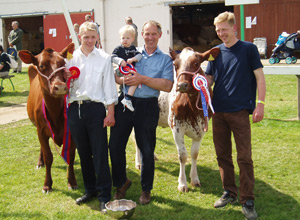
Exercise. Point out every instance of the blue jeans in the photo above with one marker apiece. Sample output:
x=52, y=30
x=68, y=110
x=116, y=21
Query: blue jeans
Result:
x=144, y=121
x=86, y=126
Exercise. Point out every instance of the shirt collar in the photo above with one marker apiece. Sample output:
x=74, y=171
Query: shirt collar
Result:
x=93, y=51
x=157, y=51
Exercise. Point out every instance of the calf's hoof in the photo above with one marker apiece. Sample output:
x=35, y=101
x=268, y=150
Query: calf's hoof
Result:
x=138, y=166
x=39, y=166
x=72, y=187
x=196, y=183
x=46, y=189
x=183, y=189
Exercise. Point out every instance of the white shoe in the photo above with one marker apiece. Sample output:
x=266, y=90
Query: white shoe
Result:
x=128, y=104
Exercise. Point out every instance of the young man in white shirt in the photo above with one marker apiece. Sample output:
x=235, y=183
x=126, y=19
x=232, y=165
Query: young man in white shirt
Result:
x=89, y=94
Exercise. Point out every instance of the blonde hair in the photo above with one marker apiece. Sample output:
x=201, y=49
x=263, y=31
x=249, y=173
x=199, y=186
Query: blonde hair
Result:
x=127, y=29
x=155, y=23
x=87, y=26
x=225, y=17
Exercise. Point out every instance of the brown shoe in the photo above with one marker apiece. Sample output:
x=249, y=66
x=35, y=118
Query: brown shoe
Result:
x=121, y=191
x=145, y=198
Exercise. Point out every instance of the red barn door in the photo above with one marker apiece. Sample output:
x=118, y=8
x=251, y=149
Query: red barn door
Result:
x=56, y=32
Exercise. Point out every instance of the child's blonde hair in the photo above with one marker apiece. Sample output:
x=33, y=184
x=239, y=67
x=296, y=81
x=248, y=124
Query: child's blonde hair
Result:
x=127, y=29
x=225, y=17
x=87, y=26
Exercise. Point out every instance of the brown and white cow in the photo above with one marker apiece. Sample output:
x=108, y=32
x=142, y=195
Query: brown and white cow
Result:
x=47, y=78
x=180, y=111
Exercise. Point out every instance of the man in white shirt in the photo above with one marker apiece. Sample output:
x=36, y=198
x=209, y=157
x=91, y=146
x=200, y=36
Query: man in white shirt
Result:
x=89, y=94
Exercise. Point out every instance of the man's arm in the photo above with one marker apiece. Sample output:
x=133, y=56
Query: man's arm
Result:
x=258, y=113
x=154, y=83
x=17, y=39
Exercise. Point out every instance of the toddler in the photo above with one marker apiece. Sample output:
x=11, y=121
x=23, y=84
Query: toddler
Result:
x=125, y=54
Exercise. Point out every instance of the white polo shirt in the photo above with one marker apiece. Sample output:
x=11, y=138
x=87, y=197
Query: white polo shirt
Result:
x=96, y=81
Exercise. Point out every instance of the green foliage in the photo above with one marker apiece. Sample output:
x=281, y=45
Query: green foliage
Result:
x=276, y=156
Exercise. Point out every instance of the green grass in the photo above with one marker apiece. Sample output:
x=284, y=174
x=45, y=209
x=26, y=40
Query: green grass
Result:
x=276, y=156
x=21, y=84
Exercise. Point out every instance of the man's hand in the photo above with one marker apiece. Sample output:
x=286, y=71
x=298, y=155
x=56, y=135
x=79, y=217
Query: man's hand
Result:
x=133, y=79
x=258, y=113
x=67, y=74
x=109, y=120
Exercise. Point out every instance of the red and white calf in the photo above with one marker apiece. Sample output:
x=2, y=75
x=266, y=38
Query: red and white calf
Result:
x=180, y=110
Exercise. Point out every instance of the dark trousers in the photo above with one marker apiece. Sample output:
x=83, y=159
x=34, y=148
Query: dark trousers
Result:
x=144, y=121
x=86, y=126
x=237, y=123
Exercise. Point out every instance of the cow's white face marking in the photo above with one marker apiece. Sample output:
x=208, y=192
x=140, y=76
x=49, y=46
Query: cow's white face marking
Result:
x=185, y=54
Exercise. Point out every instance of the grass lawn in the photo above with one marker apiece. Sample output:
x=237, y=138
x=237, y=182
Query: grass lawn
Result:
x=21, y=84
x=276, y=156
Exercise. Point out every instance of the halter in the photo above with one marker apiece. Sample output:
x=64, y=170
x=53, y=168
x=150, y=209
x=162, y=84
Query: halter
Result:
x=51, y=75
x=193, y=74
x=189, y=73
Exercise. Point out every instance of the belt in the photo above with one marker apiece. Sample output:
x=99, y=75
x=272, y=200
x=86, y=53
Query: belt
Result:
x=80, y=102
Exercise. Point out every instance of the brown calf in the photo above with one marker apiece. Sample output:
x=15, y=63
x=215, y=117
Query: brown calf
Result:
x=48, y=82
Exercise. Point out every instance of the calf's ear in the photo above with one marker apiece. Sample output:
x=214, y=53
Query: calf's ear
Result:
x=211, y=54
x=173, y=53
x=68, y=51
x=27, y=57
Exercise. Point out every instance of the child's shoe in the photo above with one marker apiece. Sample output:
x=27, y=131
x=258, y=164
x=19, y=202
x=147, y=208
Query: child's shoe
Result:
x=128, y=104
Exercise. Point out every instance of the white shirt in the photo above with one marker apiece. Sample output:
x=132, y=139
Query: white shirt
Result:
x=96, y=81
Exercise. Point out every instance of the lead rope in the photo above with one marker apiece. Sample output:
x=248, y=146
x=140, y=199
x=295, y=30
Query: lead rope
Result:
x=51, y=131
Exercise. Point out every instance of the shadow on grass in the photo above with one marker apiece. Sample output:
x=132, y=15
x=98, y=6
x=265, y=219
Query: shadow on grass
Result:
x=270, y=203
x=12, y=93
x=163, y=207
x=21, y=215
x=162, y=140
x=283, y=120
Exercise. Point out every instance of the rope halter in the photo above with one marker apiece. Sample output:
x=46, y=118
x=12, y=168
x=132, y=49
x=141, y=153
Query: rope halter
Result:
x=193, y=74
x=48, y=78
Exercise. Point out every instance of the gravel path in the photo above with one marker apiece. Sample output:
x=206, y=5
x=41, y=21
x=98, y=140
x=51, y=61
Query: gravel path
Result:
x=13, y=113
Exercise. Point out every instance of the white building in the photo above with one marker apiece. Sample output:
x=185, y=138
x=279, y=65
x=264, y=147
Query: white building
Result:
x=44, y=24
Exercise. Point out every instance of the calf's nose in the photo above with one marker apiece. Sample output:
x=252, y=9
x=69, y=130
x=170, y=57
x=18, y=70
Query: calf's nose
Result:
x=60, y=89
x=182, y=87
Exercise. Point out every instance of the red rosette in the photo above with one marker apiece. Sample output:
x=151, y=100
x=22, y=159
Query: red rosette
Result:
x=75, y=72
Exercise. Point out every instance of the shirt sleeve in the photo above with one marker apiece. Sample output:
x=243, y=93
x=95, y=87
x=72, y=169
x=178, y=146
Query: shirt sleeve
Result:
x=138, y=56
x=208, y=70
x=109, y=85
x=115, y=56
